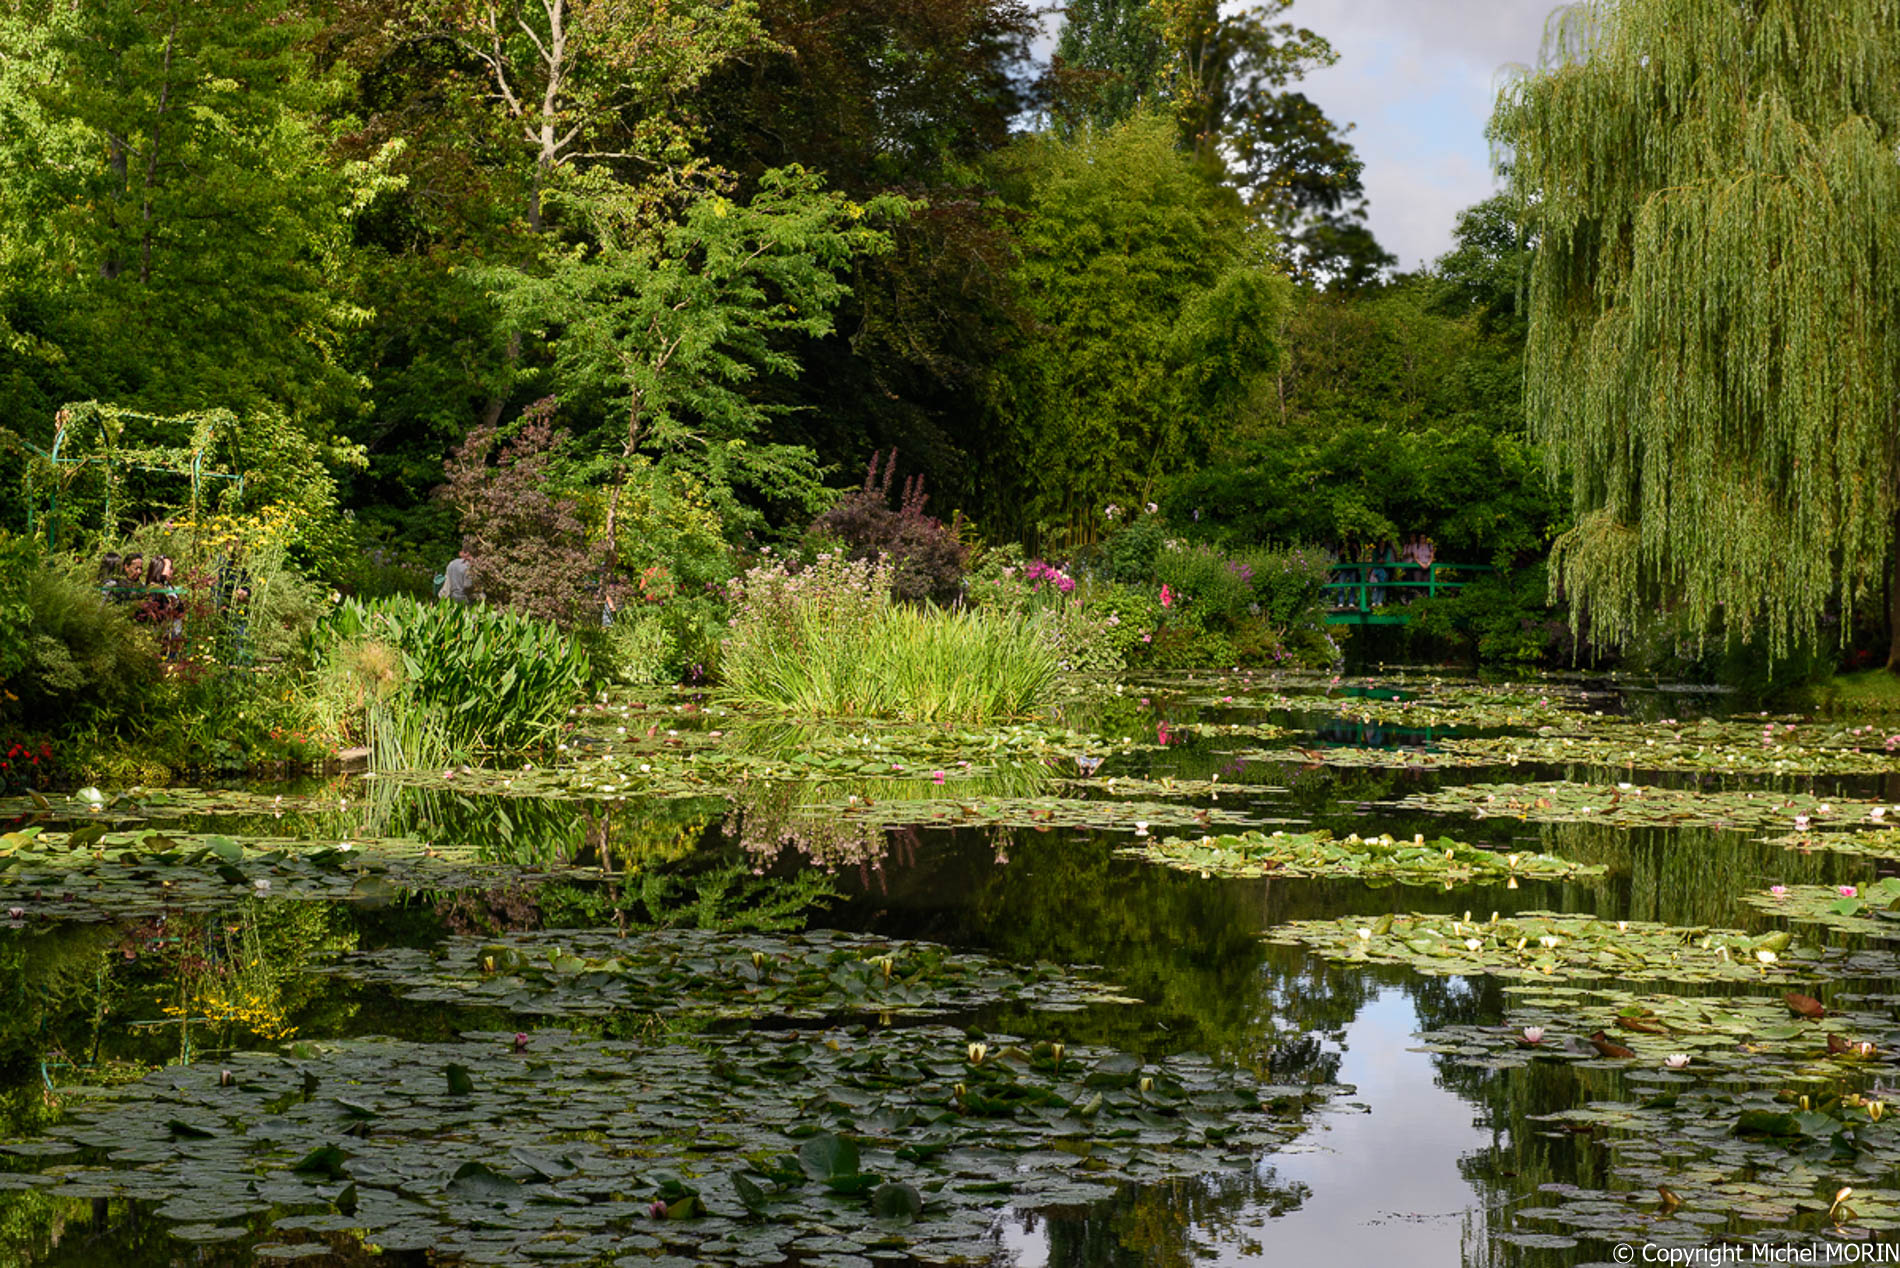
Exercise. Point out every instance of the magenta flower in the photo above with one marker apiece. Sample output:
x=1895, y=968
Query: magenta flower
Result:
x=1167, y=596
x=1848, y=891
x=1779, y=891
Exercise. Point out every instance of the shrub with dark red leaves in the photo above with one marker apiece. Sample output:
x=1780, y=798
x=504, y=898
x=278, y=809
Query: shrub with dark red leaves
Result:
x=929, y=555
x=527, y=545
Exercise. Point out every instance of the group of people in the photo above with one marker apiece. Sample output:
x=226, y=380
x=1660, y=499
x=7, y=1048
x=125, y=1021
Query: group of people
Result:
x=160, y=597
x=130, y=576
x=153, y=586
x=1409, y=562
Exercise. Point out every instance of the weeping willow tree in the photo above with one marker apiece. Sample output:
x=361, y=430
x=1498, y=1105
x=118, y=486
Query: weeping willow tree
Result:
x=1714, y=354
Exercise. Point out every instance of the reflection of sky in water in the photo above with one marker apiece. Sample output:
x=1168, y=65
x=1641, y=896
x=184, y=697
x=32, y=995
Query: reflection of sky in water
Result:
x=1383, y=1187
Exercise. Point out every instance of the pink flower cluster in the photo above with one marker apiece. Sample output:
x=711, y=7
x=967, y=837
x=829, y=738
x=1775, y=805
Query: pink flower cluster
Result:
x=1035, y=572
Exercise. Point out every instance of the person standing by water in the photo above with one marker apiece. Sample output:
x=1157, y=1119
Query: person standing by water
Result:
x=455, y=586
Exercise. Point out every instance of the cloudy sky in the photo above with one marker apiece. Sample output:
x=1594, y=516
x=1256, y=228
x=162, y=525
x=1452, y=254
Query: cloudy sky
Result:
x=1418, y=78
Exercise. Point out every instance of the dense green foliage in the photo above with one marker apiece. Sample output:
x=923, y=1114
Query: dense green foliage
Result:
x=1157, y=314
x=618, y=300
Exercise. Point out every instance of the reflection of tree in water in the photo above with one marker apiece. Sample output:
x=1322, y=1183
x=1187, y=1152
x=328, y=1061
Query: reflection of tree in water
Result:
x=1169, y=1225
x=1685, y=876
x=619, y=835
x=1679, y=876
x=1190, y=948
x=809, y=817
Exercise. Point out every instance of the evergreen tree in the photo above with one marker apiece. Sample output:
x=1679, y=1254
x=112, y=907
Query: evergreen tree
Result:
x=1714, y=344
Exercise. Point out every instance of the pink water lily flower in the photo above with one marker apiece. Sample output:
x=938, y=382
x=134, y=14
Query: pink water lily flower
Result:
x=1779, y=891
x=1848, y=891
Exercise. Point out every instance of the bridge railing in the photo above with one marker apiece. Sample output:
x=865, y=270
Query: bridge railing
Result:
x=1356, y=595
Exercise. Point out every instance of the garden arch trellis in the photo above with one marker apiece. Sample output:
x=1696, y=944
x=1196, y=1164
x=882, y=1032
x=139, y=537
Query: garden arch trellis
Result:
x=90, y=435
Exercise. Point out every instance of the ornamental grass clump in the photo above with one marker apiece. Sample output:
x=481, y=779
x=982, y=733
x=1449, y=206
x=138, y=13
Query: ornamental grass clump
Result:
x=827, y=640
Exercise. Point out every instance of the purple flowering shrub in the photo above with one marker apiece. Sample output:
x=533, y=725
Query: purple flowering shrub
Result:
x=927, y=556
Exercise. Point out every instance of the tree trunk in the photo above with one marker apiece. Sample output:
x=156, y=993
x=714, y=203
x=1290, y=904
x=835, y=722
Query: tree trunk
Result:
x=1893, y=601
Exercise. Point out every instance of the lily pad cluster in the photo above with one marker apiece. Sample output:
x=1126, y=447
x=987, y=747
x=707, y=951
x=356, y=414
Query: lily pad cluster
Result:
x=1692, y=1160
x=1737, y=1040
x=688, y=971
x=741, y=1149
x=1630, y=805
x=1548, y=945
x=91, y=873
x=1655, y=748
x=1418, y=861
x=1872, y=910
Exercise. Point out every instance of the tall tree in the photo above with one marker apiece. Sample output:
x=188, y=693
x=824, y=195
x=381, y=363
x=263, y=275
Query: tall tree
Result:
x=1226, y=73
x=666, y=327
x=1714, y=346
x=172, y=205
x=586, y=85
x=1157, y=313
x=1110, y=57
x=892, y=96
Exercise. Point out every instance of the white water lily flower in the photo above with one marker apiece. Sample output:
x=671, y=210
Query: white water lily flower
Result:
x=1622, y=926
x=1549, y=940
x=1676, y=1060
x=1141, y=828
x=1766, y=957
x=1365, y=934
x=1472, y=944
x=1533, y=1034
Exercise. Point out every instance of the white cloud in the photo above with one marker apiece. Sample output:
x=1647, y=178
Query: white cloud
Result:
x=1418, y=79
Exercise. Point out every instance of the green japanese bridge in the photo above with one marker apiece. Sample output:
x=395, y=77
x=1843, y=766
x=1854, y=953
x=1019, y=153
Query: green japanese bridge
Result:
x=1357, y=599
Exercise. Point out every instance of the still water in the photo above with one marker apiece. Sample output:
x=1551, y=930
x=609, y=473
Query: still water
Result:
x=1406, y=1157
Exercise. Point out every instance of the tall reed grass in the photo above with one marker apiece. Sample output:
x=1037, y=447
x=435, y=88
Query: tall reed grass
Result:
x=828, y=641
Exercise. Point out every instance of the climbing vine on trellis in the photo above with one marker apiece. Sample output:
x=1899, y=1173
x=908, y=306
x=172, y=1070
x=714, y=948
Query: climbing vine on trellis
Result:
x=107, y=441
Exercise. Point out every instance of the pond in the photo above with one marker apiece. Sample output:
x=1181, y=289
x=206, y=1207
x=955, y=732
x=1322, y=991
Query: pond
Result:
x=1255, y=969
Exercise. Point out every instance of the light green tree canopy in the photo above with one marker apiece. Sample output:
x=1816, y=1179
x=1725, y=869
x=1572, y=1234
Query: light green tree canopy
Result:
x=1157, y=312
x=1714, y=345
x=669, y=327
